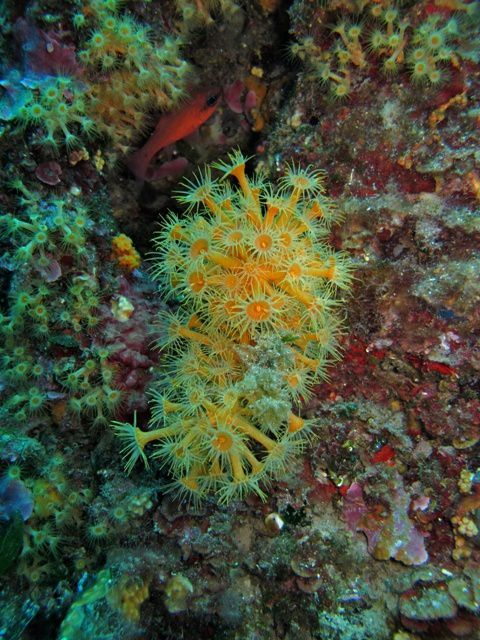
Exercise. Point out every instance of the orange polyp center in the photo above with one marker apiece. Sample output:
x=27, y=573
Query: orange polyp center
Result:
x=263, y=242
x=177, y=233
x=196, y=282
x=198, y=247
x=223, y=442
x=295, y=423
x=230, y=281
x=190, y=483
x=178, y=453
x=235, y=237
x=301, y=182
x=295, y=271
x=259, y=310
x=293, y=380
x=195, y=396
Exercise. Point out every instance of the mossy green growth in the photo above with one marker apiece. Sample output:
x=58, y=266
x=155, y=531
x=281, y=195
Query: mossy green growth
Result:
x=11, y=542
x=41, y=233
x=54, y=299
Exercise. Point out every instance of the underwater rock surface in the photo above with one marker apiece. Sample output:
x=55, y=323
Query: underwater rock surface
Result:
x=299, y=359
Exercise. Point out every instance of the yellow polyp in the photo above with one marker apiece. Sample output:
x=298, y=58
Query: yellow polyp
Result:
x=229, y=281
x=239, y=173
x=294, y=197
x=245, y=338
x=321, y=272
x=295, y=270
x=336, y=78
x=227, y=206
x=272, y=276
x=193, y=335
x=241, y=253
x=302, y=296
x=189, y=438
x=177, y=233
x=259, y=310
x=306, y=338
x=293, y=380
x=198, y=247
x=190, y=482
x=215, y=470
x=311, y=363
x=250, y=430
x=357, y=57
x=188, y=423
x=272, y=211
x=231, y=307
x=229, y=262
x=271, y=291
x=295, y=423
x=211, y=409
x=263, y=242
x=144, y=437
x=286, y=239
x=254, y=217
x=194, y=322
x=171, y=407
x=197, y=282
x=213, y=206
x=235, y=236
x=315, y=211
x=255, y=464
x=222, y=442
x=237, y=468
x=256, y=195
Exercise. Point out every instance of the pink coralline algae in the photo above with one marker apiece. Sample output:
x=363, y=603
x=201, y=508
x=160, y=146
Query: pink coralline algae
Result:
x=239, y=98
x=44, y=52
x=390, y=534
x=129, y=339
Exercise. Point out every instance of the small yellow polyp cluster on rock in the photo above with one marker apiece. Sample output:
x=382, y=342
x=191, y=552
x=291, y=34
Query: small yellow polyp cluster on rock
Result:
x=128, y=597
x=259, y=286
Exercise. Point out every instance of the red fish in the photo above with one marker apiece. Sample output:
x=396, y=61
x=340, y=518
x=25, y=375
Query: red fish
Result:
x=172, y=127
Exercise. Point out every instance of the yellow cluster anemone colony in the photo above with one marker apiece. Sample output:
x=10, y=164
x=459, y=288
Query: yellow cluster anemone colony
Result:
x=130, y=70
x=261, y=294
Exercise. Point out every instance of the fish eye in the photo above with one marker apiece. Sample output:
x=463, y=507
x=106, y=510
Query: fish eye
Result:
x=212, y=100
